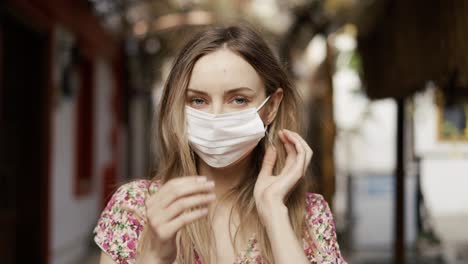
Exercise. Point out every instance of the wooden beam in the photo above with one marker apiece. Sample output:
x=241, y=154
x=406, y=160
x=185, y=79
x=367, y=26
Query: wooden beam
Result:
x=399, y=246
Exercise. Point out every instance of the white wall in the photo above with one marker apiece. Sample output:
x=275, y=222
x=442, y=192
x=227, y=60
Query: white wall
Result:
x=444, y=166
x=444, y=176
x=426, y=137
x=445, y=183
x=72, y=219
x=365, y=148
x=366, y=129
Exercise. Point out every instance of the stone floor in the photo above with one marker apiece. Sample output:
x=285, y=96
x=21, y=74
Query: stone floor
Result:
x=355, y=256
x=359, y=257
x=379, y=257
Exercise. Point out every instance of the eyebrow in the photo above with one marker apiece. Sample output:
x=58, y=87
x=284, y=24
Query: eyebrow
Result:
x=234, y=90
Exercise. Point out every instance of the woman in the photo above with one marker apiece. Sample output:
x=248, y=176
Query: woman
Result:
x=229, y=186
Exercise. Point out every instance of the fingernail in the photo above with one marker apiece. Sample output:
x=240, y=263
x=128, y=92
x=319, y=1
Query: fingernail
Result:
x=211, y=196
x=201, y=179
x=204, y=210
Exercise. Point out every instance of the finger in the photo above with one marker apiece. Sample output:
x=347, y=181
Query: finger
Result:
x=174, y=191
x=166, y=187
x=290, y=151
x=171, y=228
x=269, y=160
x=301, y=159
x=178, y=192
x=308, y=150
x=183, y=204
x=298, y=167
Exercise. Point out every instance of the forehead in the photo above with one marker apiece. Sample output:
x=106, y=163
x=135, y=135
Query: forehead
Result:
x=223, y=70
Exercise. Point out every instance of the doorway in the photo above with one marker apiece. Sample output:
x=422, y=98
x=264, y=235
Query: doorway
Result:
x=24, y=143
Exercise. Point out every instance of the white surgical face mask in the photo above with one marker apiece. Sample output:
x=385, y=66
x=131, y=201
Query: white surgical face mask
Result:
x=223, y=139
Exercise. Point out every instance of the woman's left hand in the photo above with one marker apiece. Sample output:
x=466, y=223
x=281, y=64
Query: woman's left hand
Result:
x=271, y=190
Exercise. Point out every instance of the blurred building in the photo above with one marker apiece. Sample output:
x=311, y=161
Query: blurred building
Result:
x=62, y=133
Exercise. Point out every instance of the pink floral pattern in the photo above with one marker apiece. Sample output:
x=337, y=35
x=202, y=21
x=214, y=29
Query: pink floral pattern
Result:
x=122, y=220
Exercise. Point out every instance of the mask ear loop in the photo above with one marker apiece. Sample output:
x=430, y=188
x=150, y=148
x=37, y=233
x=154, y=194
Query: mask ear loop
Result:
x=266, y=127
x=263, y=103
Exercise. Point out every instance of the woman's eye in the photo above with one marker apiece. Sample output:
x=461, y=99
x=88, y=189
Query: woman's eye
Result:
x=197, y=101
x=240, y=100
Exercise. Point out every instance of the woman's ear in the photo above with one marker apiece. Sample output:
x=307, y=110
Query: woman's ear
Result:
x=273, y=105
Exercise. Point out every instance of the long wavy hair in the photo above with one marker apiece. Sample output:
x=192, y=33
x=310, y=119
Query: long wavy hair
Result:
x=176, y=158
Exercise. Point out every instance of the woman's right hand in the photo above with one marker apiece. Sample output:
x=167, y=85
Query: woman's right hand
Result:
x=167, y=211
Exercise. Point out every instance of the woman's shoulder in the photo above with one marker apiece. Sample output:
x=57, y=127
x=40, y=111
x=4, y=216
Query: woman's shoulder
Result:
x=138, y=186
x=132, y=195
x=318, y=211
x=122, y=220
x=130, y=198
x=316, y=203
x=135, y=192
x=320, y=241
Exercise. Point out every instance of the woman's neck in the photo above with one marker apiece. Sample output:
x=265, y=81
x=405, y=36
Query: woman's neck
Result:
x=225, y=178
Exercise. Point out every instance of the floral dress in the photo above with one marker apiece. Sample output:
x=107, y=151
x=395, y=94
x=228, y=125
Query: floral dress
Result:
x=122, y=221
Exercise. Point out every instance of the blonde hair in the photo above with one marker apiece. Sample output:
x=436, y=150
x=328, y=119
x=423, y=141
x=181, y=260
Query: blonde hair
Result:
x=176, y=158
